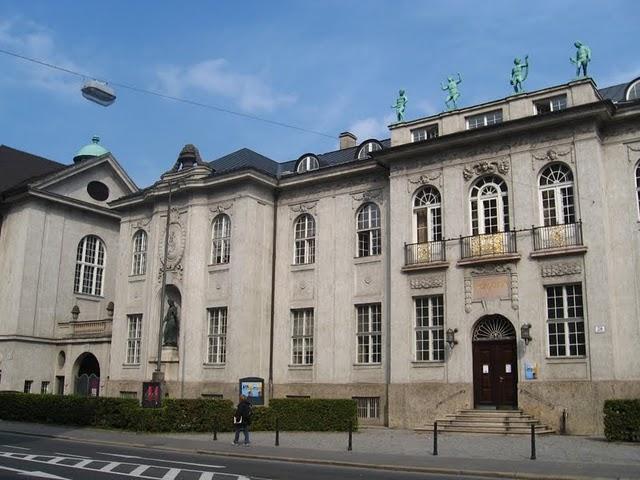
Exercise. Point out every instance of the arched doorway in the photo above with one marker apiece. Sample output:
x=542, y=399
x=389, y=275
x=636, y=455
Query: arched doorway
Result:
x=87, y=381
x=495, y=367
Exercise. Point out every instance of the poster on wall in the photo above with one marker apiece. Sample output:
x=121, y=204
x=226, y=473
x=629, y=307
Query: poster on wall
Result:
x=151, y=395
x=253, y=389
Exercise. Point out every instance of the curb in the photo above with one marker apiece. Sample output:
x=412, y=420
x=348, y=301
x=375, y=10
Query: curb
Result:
x=336, y=463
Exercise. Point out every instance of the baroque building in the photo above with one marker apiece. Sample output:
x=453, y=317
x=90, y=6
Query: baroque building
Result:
x=486, y=257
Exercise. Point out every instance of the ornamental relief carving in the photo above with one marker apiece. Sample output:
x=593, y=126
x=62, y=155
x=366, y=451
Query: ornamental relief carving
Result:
x=483, y=278
x=484, y=167
x=632, y=149
x=366, y=196
x=426, y=282
x=224, y=207
x=308, y=207
x=560, y=269
x=427, y=178
x=552, y=155
x=176, y=240
x=140, y=224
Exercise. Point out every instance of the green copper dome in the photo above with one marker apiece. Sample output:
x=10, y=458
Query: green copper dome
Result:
x=94, y=149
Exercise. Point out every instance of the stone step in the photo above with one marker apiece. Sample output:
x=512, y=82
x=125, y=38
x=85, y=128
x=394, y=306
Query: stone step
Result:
x=539, y=429
x=447, y=424
x=489, y=421
x=463, y=418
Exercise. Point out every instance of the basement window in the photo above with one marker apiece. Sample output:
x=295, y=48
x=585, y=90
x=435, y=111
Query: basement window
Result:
x=368, y=407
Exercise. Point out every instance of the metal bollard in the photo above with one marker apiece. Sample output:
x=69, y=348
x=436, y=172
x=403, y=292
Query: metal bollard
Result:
x=435, y=438
x=215, y=430
x=350, y=447
x=533, y=442
x=563, y=422
x=277, y=432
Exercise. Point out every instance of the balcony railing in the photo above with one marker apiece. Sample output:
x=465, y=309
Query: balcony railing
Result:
x=86, y=328
x=490, y=244
x=557, y=236
x=422, y=253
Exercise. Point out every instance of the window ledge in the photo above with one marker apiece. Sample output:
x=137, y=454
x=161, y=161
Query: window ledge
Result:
x=551, y=252
x=300, y=367
x=582, y=359
x=427, y=364
x=296, y=267
x=368, y=259
x=367, y=366
x=214, y=366
x=137, y=278
x=509, y=257
x=416, y=267
x=217, y=267
x=129, y=366
x=91, y=298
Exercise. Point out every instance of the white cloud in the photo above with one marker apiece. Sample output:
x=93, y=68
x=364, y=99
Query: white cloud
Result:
x=32, y=40
x=371, y=127
x=215, y=77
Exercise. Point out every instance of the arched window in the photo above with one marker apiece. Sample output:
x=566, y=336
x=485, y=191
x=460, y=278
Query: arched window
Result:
x=556, y=195
x=367, y=148
x=368, y=227
x=90, y=262
x=638, y=186
x=305, y=240
x=489, y=206
x=307, y=163
x=139, y=261
x=633, y=92
x=427, y=215
x=221, y=239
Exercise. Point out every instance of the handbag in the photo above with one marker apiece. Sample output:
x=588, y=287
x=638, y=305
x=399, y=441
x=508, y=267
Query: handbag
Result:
x=237, y=420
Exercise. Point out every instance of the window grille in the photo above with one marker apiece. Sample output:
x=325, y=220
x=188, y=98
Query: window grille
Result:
x=90, y=262
x=217, y=335
x=368, y=407
x=369, y=333
x=429, y=328
x=302, y=337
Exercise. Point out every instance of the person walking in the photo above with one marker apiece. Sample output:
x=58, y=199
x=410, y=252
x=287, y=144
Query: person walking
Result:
x=242, y=420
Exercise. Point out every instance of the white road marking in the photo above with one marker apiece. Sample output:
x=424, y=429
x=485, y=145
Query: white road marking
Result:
x=70, y=455
x=171, y=474
x=137, y=472
x=33, y=474
x=162, y=460
x=13, y=446
x=110, y=466
x=206, y=476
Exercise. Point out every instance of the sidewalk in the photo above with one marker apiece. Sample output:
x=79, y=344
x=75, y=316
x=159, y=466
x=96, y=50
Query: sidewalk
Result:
x=469, y=454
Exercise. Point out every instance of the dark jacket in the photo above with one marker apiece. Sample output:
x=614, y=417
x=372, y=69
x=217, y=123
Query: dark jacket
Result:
x=244, y=411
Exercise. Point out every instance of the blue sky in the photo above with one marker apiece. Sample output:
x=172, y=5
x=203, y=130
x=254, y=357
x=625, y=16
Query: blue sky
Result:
x=327, y=66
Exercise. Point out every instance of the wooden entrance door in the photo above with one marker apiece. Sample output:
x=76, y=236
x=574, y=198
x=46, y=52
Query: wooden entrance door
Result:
x=495, y=373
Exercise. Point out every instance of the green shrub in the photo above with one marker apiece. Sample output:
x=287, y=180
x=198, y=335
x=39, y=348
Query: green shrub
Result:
x=622, y=420
x=176, y=415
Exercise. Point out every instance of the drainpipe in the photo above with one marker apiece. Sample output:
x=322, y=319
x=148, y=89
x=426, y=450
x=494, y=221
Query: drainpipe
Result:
x=273, y=290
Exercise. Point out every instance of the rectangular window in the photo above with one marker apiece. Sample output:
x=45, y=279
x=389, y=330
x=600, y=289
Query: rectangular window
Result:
x=298, y=396
x=134, y=338
x=369, y=333
x=217, y=335
x=368, y=407
x=429, y=329
x=128, y=394
x=59, y=385
x=302, y=337
x=565, y=321
x=27, y=386
x=44, y=388
x=484, y=119
x=212, y=396
x=552, y=104
x=424, y=133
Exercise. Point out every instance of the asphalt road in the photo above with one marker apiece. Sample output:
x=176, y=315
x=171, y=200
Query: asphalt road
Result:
x=23, y=456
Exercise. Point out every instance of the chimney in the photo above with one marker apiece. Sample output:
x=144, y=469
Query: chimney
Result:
x=347, y=140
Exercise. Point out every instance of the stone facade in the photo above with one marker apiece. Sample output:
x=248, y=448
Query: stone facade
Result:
x=478, y=270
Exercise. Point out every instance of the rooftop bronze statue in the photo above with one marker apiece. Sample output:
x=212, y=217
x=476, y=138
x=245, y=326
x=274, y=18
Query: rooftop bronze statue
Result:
x=171, y=325
x=583, y=57
x=519, y=73
x=400, y=106
x=453, y=94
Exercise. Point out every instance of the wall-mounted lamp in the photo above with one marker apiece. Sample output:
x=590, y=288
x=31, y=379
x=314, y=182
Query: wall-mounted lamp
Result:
x=451, y=337
x=525, y=333
x=75, y=311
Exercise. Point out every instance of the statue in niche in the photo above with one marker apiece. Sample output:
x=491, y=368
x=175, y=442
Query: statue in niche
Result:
x=453, y=93
x=171, y=326
x=519, y=73
x=583, y=57
x=401, y=105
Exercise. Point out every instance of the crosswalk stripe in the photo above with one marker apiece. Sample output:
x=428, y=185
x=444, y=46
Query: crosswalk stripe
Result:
x=206, y=476
x=110, y=466
x=171, y=474
x=55, y=460
x=82, y=463
x=136, y=472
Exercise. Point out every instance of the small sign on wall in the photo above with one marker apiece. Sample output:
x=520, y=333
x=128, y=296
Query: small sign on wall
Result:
x=600, y=329
x=507, y=368
x=485, y=368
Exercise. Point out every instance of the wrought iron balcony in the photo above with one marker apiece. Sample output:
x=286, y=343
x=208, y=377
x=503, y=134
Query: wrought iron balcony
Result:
x=490, y=244
x=557, y=236
x=424, y=253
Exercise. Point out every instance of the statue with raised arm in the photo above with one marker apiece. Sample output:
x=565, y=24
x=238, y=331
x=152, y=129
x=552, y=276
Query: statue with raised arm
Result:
x=583, y=57
x=401, y=105
x=171, y=325
x=452, y=92
x=519, y=73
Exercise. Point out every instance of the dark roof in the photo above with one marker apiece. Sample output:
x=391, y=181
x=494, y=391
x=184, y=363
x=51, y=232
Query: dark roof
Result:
x=244, y=158
x=17, y=167
x=614, y=93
